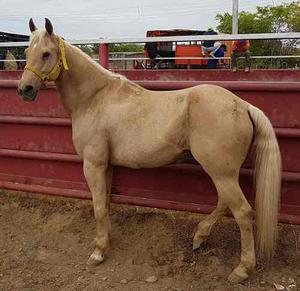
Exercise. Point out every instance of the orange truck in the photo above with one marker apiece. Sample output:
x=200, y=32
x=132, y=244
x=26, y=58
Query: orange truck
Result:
x=177, y=51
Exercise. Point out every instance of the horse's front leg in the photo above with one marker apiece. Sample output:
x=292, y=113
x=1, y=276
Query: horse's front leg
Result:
x=96, y=177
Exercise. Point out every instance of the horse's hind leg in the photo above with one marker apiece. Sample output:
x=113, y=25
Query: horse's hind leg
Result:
x=220, y=136
x=205, y=226
x=230, y=195
x=230, y=192
x=223, y=167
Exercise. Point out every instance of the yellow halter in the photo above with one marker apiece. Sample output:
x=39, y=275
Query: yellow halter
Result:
x=54, y=73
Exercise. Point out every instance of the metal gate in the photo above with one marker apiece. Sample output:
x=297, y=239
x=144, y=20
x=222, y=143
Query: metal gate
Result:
x=37, y=155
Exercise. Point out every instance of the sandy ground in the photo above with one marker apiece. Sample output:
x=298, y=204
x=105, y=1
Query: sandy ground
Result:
x=45, y=242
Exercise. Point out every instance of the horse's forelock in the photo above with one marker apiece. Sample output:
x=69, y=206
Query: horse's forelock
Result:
x=37, y=36
x=34, y=37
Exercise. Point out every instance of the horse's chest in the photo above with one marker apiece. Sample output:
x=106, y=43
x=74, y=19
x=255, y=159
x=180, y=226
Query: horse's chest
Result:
x=88, y=135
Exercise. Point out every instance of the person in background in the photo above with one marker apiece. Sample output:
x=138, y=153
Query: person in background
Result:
x=240, y=48
x=219, y=51
x=208, y=45
x=151, y=48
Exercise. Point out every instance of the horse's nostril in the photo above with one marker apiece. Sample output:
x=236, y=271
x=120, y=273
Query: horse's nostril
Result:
x=28, y=89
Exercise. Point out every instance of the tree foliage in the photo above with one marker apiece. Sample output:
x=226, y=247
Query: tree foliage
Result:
x=269, y=19
x=123, y=47
x=88, y=49
x=94, y=49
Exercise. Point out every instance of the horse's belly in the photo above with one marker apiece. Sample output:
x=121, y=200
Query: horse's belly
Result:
x=151, y=135
x=144, y=157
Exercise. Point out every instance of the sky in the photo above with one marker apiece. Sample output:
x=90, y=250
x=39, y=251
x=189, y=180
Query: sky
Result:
x=85, y=19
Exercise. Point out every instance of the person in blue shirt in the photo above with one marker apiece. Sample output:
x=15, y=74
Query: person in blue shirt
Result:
x=208, y=45
x=218, y=52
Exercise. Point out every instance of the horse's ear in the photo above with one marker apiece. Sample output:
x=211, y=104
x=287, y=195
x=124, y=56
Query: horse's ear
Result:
x=48, y=26
x=32, y=25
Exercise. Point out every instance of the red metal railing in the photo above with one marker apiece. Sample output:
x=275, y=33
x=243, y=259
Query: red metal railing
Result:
x=37, y=155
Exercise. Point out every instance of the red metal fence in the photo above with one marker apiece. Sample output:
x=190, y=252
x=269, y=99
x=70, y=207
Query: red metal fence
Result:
x=37, y=155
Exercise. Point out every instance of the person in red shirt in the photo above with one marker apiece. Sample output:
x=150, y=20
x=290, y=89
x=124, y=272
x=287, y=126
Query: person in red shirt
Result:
x=240, y=48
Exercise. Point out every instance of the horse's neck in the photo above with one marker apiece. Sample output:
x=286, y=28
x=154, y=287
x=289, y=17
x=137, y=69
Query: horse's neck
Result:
x=78, y=85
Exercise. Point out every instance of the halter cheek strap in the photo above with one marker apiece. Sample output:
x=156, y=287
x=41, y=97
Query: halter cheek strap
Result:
x=55, y=71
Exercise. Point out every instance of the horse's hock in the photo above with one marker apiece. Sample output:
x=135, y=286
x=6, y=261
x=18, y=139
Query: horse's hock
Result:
x=37, y=155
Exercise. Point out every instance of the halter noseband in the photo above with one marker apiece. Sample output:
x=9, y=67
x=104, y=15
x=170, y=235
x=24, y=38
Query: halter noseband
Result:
x=55, y=71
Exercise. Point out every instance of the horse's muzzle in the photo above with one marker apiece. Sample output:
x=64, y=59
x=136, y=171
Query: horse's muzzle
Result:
x=28, y=93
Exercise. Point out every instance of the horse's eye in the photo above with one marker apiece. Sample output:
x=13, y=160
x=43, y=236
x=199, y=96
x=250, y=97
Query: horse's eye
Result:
x=46, y=55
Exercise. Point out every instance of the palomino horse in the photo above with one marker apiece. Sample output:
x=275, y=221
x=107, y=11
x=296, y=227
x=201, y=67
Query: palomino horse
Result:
x=117, y=122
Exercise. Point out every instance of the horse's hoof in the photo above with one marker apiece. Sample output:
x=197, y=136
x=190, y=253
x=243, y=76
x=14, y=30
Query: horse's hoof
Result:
x=237, y=276
x=197, y=242
x=95, y=259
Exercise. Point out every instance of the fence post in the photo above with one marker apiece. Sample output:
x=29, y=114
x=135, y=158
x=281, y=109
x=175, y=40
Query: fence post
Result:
x=235, y=16
x=103, y=55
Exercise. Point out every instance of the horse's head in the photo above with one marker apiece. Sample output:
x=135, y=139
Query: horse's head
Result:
x=43, y=60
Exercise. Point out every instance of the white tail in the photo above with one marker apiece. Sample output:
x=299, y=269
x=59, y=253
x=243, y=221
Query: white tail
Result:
x=267, y=181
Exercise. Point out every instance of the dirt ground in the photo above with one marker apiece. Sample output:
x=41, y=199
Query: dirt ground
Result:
x=45, y=243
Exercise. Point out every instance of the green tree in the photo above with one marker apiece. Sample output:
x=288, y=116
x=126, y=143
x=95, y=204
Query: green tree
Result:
x=269, y=19
x=94, y=49
x=88, y=49
x=123, y=47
